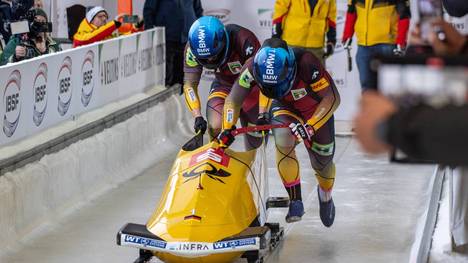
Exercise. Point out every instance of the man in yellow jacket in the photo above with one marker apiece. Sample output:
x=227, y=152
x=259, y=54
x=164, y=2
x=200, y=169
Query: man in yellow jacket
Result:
x=381, y=28
x=95, y=27
x=307, y=24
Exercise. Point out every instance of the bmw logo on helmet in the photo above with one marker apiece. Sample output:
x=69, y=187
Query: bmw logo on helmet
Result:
x=275, y=68
x=209, y=41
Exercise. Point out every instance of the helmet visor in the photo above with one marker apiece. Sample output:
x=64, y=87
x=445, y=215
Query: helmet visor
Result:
x=211, y=62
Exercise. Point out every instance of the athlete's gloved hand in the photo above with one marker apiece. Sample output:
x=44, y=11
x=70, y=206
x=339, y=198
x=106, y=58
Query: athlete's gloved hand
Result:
x=200, y=125
x=302, y=131
x=263, y=119
x=330, y=49
x=225, y=138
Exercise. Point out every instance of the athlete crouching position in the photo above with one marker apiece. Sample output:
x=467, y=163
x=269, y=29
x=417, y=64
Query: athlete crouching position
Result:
x=224, y=49
x=304, y=96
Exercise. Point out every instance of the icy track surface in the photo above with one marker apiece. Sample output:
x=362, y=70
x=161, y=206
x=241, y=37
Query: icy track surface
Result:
x=378, y=207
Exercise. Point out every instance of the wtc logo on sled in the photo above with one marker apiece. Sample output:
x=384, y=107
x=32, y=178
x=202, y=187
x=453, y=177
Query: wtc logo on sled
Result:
x=146, y=242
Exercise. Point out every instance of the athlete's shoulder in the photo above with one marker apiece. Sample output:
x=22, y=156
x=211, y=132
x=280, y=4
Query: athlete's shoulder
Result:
x=239, y=30
x=244, y=41
x=309, y=67
x=245, y=78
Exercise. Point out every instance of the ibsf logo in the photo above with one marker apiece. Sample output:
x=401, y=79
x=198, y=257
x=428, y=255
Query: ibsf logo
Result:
x=12, y=102
x=202, y=49
x=87, y=70
x=269, y=76
x=221, y=14
x=65, y=86
x=40, y=94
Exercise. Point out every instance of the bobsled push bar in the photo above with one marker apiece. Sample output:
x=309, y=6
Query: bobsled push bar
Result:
x=251, y=239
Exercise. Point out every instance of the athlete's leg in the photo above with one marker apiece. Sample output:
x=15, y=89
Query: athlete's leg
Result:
x=252, y=140
x=249, y=116
x=214, y=108
x=321, y=157
x=287, y=163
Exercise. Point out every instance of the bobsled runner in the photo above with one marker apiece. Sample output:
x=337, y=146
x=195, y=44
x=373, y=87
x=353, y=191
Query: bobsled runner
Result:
x=213, y=208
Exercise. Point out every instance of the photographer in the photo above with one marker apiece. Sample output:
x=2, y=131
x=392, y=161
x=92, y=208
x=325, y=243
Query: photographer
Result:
x=33, y=44
x=420, y=131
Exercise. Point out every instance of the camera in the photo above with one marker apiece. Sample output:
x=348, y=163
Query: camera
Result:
x=27, y=28
x=26, y=24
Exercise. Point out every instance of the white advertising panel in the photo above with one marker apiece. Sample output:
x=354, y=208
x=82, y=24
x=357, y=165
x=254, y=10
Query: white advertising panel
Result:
x=45, y=91
x=128, y=65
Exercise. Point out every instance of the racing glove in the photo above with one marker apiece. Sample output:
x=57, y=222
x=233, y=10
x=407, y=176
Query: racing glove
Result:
x=200, y=125
x=330, y=49
x=303, y=132
x=225, y=138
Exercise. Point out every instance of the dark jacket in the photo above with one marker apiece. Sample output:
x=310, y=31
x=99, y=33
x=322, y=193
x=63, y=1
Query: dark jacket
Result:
x=5, y=17
x=437, y=135
x=176, y=15
x=8, y=55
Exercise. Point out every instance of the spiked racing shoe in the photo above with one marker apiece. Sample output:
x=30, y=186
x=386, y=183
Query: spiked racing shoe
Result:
x=327, y=210
x=296, y=211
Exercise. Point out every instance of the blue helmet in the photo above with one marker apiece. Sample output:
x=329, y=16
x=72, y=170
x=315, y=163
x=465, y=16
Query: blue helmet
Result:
x=275, y=68
x=209, y=41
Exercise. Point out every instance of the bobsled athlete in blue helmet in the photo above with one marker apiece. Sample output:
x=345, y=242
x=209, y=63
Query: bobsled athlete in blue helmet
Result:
x=305, y=97
x=224, y=49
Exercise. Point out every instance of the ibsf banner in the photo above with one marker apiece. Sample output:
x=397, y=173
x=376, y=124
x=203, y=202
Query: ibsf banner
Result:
x=45, y=91
x=257, y=16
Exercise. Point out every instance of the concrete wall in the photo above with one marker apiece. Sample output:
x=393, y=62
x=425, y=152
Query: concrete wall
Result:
x=59, y=183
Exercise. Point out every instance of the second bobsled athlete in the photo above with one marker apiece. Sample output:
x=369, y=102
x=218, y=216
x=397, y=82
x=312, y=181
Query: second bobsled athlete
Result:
x=304, y=96
x=224, y=49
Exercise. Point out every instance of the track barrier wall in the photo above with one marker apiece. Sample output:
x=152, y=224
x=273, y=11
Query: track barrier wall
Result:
x=115, y=84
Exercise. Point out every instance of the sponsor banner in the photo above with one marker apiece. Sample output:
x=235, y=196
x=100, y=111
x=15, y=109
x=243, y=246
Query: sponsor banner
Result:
x=159, y=43
x=128, y=65
x=109, y=67
x=191, y=248
x=146, y=59
x=45, y=91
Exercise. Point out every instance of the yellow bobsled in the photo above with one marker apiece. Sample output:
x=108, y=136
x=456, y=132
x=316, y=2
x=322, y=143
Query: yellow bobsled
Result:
x=213, y=209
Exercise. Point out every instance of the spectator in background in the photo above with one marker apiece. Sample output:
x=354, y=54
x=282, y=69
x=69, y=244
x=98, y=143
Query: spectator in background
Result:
x=95, y=27
x=381, y=28
x=38, y=4
x=5, y=17
x=305, y=24
x=32, y=44
x=176, y=16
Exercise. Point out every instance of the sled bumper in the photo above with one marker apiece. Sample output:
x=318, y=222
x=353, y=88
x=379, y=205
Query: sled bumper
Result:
x=251, y=239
